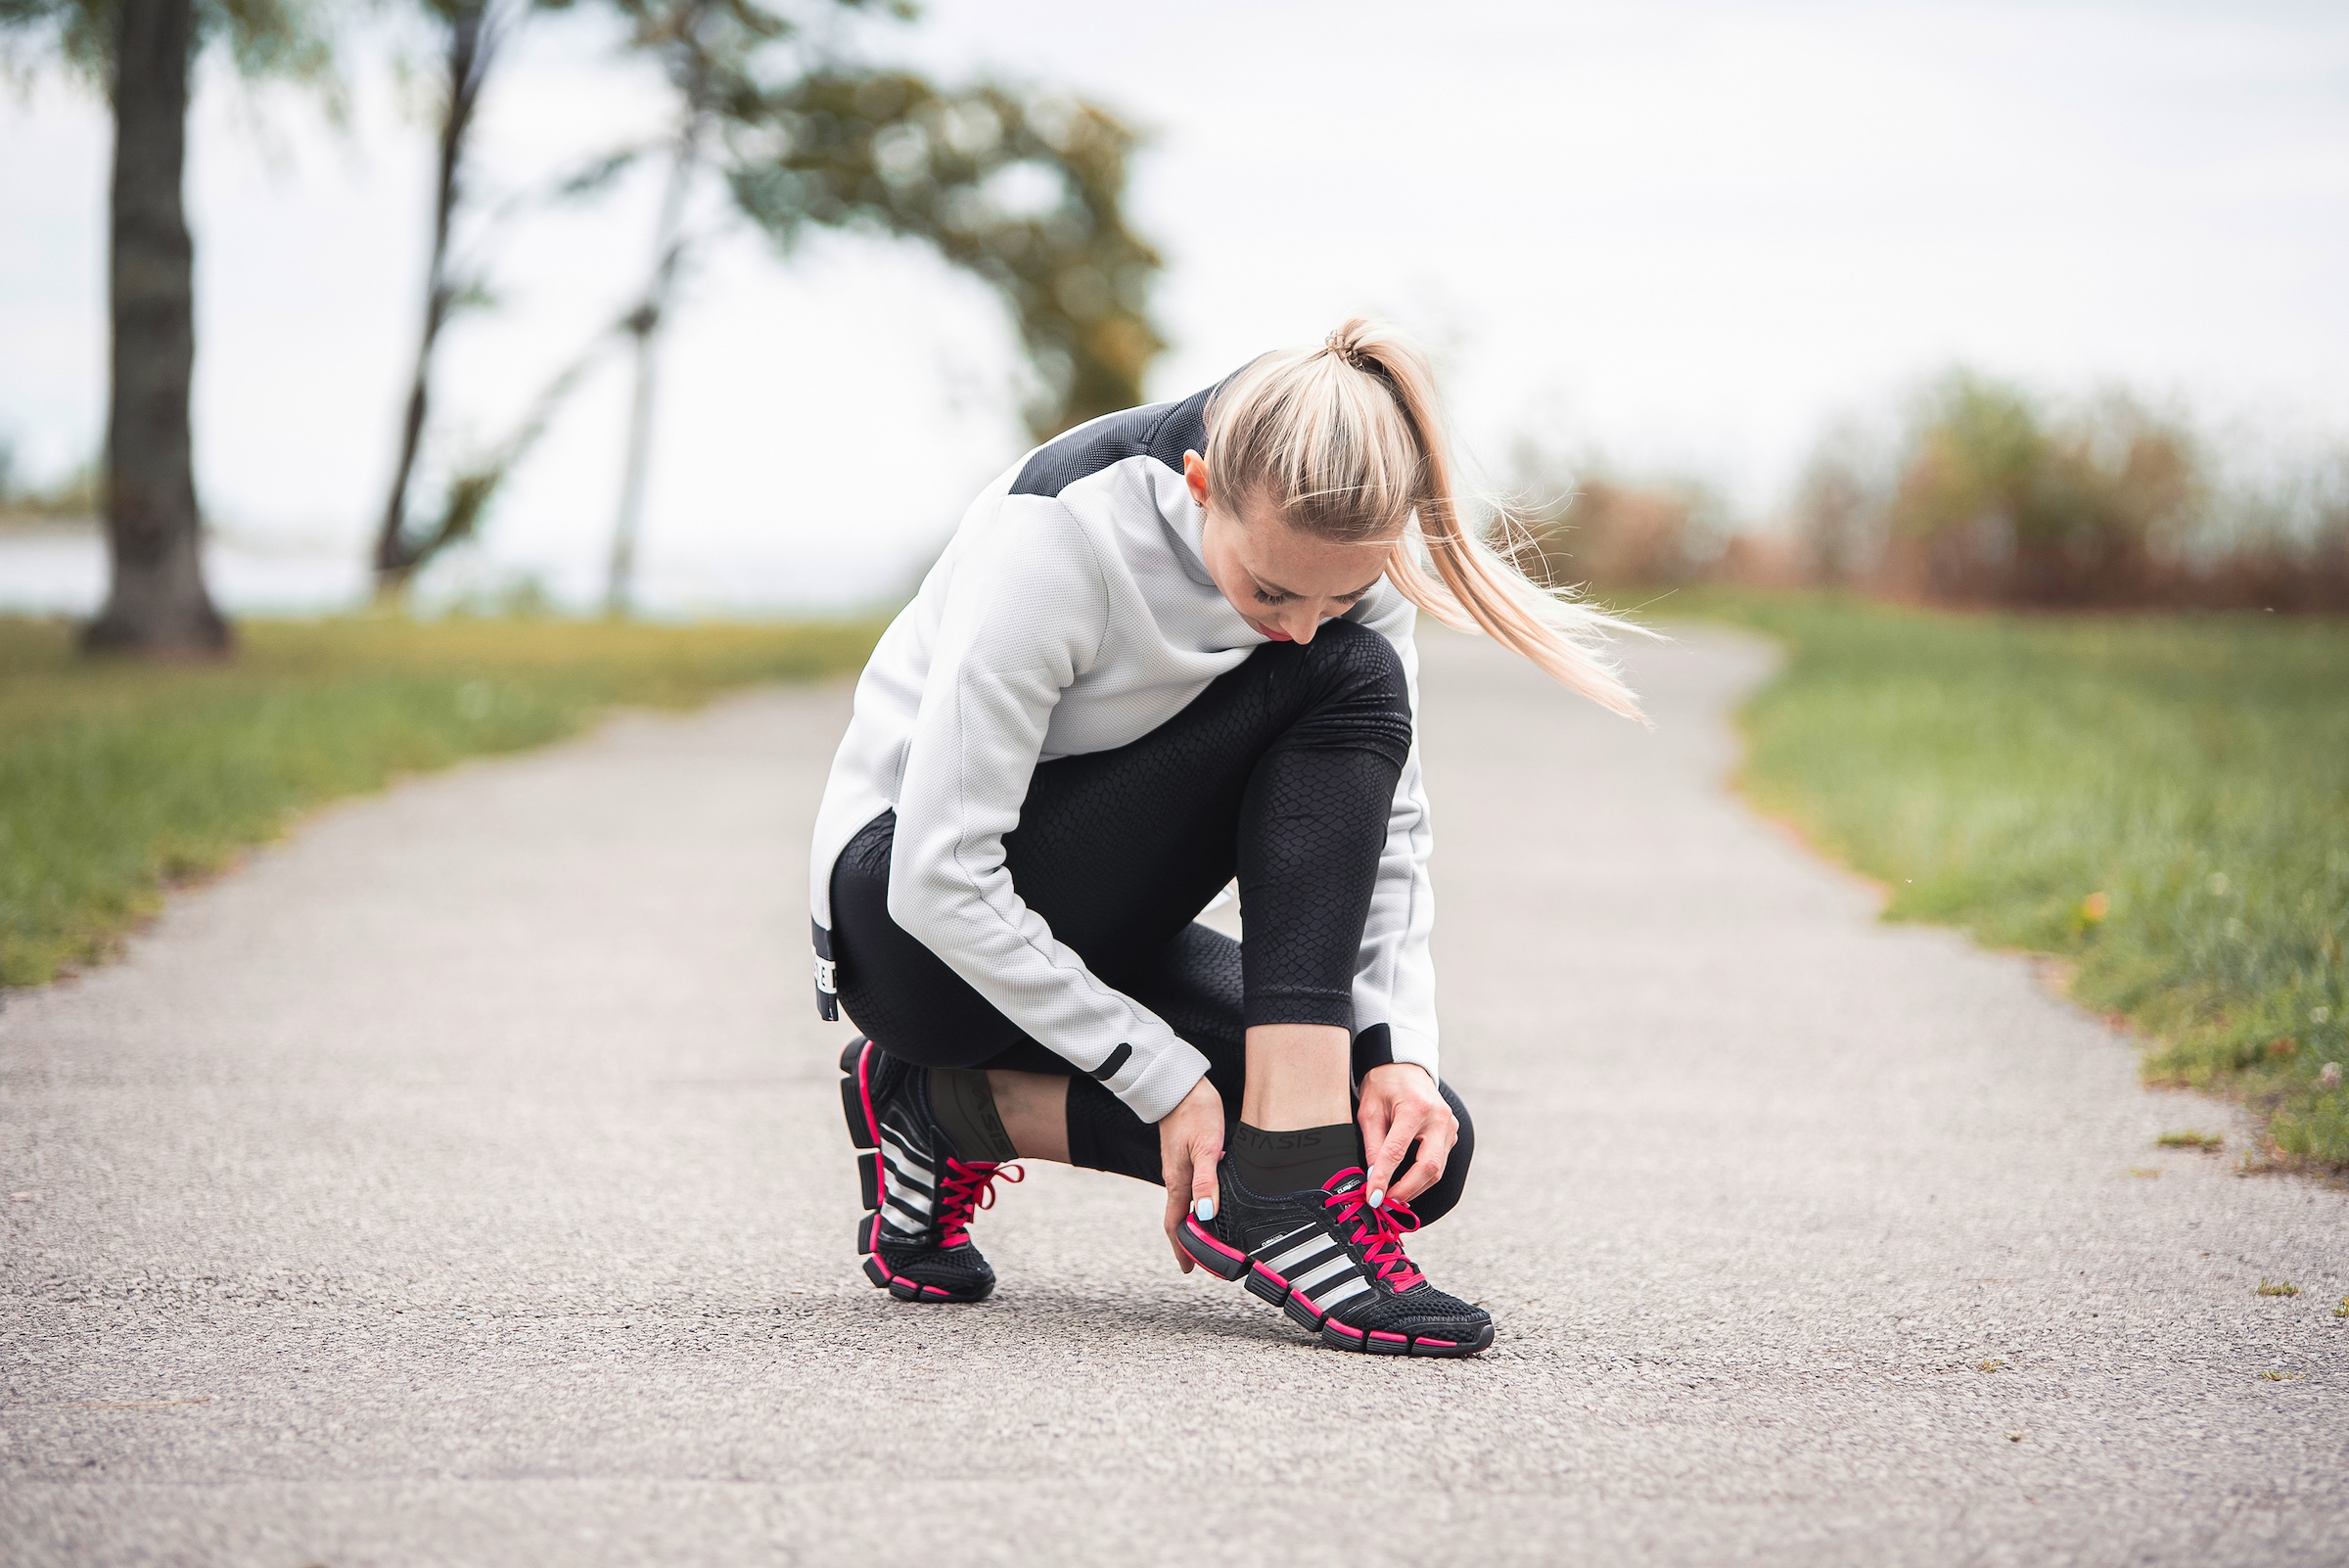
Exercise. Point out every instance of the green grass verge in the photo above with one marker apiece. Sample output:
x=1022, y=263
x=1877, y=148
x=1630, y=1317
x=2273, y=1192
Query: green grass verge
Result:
x=117, y=778
x=2161, y=800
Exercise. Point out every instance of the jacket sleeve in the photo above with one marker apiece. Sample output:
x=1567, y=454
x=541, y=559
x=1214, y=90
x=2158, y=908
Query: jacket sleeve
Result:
x=1395, y=978
x=1025, y=615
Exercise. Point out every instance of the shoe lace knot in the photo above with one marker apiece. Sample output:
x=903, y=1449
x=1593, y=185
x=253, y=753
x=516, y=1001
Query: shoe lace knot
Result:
x=1379, y=1231
x=964, y=1191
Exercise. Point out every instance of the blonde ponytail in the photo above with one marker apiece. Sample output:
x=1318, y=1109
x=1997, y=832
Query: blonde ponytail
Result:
x=1346, y=441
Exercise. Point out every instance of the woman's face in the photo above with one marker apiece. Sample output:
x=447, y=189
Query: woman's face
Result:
x=1283, y=583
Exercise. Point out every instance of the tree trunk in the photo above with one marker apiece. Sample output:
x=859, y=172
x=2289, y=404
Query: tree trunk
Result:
x=469, y=46
x=647, y=320
x=155, y=602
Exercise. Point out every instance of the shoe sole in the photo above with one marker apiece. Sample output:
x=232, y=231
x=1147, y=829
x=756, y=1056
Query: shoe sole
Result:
x=1266, y=1287
x=864, y=1131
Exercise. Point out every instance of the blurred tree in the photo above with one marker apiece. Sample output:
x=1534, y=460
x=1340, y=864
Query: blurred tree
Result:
x=141, y=52
x=1609, y=533
x=1838, y=509
x=471, y=34
x=1023, y=189
x=1026, y=190
x=1995, y=503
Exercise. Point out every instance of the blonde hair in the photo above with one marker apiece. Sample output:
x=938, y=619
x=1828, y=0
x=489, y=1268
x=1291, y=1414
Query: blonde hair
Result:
x=1346, y=441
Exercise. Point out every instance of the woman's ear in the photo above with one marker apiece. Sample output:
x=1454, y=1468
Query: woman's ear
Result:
x=1194, y=473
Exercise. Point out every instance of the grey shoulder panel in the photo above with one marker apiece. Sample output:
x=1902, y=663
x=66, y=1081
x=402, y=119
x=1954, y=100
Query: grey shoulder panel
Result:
x=1162, y=431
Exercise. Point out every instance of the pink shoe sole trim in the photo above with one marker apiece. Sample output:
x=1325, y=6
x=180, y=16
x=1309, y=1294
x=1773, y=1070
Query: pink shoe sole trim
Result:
x=1212, y=1241
x=1350, y=1333
x=1270, y=1274
x=1391, y=1339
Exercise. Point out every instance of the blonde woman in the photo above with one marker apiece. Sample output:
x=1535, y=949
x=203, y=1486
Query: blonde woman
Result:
x=1170, y=648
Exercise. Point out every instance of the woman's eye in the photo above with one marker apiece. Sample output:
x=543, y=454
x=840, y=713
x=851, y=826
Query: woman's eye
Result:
x=1261, y=597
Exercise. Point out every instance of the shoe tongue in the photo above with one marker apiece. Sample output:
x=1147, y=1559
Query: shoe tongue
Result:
x=1350, y=1182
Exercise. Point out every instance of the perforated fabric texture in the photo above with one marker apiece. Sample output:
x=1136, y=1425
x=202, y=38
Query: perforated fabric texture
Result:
x=899, y=1098
x=1423, y=1311
x=947, y=1268
x=1281, y=772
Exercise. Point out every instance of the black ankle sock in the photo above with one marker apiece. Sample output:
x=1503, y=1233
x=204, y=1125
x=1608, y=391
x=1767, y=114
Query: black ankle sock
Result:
x=1273, y=1163
x=963, y=1104
x=1104, y=1135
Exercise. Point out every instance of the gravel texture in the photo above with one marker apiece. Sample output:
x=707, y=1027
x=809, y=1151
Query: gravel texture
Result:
x=462, y=1181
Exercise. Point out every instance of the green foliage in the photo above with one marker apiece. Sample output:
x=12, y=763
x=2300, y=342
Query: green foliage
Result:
x=288, y=38
x=2162, y=800
x=1999, y=503
x=117, y=778
x=1992, y=497
x=1024, y=190
x=893, y=154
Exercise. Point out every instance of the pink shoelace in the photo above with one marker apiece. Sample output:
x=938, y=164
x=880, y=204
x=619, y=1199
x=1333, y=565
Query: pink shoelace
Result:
x=1382, y=1228
x=964, y=1191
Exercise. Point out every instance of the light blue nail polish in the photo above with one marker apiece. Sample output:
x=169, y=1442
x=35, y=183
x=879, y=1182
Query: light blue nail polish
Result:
x=1378, y=1199
x=1204, y=1209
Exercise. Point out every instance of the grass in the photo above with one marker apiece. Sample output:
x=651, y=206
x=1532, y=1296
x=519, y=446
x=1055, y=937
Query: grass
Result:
x=118, y=779
x=2161, y=801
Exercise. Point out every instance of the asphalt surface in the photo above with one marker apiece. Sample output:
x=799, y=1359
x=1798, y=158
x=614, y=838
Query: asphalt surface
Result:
x=462, y=1181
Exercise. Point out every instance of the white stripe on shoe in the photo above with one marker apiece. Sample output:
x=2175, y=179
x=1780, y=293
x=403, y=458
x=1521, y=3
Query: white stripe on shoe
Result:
x=1338, y=1293
x=1319, y=1246
x=1313, y=1278
x=910, y=1181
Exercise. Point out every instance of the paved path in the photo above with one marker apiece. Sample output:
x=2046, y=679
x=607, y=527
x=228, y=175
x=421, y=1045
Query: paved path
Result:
x=462, y=1181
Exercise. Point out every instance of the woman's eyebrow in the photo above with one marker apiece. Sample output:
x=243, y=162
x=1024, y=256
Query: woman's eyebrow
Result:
x=1267, y=587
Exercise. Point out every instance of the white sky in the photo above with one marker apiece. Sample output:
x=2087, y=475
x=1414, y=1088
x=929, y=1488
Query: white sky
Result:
x=1685, y=235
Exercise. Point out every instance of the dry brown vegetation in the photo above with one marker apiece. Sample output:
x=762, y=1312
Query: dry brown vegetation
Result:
x=1990, y=497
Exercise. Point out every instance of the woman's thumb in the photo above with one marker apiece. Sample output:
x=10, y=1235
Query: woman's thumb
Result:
x=1204, y=1160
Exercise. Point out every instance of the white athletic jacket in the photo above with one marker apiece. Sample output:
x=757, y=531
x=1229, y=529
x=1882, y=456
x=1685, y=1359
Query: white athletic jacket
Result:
x=1073, y=612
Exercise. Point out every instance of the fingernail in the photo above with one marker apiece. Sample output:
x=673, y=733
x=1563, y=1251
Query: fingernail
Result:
x=1204, y=1209
x=1378, y=1197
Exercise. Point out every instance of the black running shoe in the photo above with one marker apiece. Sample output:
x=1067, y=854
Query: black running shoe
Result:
x=918, y=1197
x=1336, y=1265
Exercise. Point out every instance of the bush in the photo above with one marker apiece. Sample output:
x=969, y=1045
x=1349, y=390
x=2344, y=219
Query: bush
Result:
x=1990, y=499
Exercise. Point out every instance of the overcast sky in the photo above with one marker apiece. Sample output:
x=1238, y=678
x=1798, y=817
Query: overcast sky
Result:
x=1683, y=235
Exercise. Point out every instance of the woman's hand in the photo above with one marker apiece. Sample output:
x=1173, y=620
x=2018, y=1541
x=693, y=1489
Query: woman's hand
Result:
x=1190, y=1143
x=1399, y=1103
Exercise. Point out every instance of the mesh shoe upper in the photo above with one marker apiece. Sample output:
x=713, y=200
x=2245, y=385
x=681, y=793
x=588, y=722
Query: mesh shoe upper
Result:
x=925, y=1196
x=1329, y=1257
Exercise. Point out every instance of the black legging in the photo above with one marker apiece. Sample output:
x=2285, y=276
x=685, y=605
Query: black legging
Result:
x=1281, y=772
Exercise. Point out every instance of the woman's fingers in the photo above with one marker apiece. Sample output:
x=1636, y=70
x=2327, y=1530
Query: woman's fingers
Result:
x=1376, y=1118
x=1204, y=1161
x=1178, y=1182
x=1402, y=1106
x=1190, y=1143
x=1388, y=1154
x=1435, y=1152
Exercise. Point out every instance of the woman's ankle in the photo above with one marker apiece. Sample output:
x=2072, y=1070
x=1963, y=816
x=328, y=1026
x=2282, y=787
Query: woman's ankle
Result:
x=1299, y=1076
x=1035, y=1110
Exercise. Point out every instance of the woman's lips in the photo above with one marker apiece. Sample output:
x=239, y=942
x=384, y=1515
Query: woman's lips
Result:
x=1273, y=632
